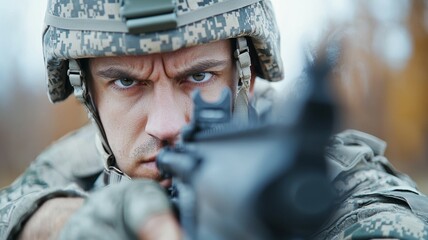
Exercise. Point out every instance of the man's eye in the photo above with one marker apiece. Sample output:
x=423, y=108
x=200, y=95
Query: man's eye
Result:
x=125, y=83
x=200, y=77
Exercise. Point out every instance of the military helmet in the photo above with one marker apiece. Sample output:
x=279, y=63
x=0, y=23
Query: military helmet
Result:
x=94, y=28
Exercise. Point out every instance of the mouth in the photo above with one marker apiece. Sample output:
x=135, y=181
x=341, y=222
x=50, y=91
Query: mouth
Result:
x=152, y=172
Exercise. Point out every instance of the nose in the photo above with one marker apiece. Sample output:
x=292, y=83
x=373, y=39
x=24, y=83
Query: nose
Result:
x=167, y=114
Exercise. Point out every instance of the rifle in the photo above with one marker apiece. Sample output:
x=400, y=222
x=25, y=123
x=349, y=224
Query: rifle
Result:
x=262, y=180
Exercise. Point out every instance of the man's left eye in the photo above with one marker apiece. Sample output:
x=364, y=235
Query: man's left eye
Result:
x=125, y=83
x=200, y=77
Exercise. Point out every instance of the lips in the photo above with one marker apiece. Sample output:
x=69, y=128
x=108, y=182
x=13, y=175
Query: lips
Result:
x=152, y=172
x=151, y=165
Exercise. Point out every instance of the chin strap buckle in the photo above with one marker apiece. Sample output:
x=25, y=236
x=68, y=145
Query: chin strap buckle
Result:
x=113, y=175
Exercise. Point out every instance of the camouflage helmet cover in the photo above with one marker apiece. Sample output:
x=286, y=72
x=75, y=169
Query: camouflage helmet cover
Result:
x=64, y=41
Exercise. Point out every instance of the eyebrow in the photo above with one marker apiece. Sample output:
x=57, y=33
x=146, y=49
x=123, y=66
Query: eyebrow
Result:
x=200, y=67
x=115, y=72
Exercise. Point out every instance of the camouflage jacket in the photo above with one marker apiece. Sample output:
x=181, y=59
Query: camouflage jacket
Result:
x=376, y=201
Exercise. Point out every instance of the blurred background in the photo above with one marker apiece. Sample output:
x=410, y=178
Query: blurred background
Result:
x=381, y=83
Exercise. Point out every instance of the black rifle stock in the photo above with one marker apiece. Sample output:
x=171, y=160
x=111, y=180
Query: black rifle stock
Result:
x=264, y=180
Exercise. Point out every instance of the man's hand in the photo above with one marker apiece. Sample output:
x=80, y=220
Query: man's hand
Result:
x=48, y=220
x=128, y=210
x=161, y=227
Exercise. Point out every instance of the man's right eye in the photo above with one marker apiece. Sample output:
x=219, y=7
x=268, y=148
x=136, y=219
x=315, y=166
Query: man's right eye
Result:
x=125, y=83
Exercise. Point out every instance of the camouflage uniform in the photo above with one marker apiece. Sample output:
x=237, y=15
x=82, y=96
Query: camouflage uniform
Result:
x=375, y=201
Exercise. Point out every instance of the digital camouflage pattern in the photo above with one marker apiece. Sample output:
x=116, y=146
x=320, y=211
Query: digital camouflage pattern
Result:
x=375, y=201
x=394, y=225
x=256, y=21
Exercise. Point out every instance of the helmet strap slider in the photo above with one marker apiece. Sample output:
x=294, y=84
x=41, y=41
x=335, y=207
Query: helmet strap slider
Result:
x=243, y=66
x=76, y=78
x=242, y=55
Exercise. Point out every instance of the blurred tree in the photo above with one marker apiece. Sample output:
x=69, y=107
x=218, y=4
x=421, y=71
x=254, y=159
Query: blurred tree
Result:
x=382, y=81
x=407, y=98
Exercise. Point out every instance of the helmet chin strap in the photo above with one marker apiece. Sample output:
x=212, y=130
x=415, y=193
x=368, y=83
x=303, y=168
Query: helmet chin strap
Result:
x=112, y=174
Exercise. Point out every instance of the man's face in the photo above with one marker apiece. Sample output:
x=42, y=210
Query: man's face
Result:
x=144, y=101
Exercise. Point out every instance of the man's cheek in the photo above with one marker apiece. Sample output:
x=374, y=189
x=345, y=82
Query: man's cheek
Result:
x=119, y=148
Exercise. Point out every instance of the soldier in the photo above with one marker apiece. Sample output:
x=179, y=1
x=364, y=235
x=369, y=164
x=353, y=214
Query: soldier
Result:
x=133, y=65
